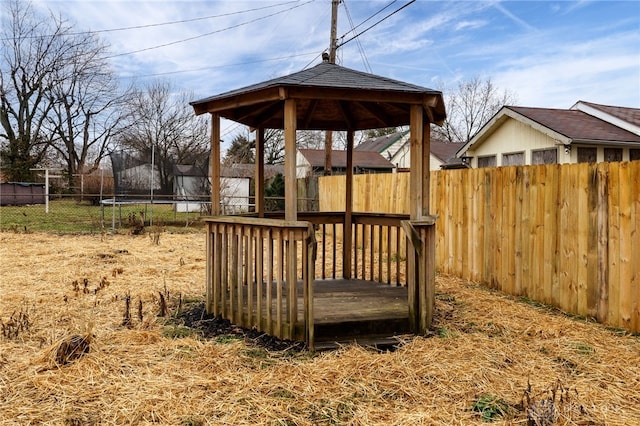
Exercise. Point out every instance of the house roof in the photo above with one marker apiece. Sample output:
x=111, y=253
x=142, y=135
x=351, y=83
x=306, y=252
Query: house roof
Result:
x=577, y=125
x=381, y=143
x=189, y=170
x=626, y=118
x=630, y=115
x=364, y=159
x=328, y=97
x=444, y=151
x=565, y=125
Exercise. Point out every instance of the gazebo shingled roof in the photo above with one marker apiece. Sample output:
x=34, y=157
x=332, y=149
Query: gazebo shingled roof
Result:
x=329, y=97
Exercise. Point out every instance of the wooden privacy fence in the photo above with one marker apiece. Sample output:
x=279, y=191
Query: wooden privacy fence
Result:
x=565, y=235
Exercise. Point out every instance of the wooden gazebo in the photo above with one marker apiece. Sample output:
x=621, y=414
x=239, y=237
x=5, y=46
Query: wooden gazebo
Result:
x=269, y=272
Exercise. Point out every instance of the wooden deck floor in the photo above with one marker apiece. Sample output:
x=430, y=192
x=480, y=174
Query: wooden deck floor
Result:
x=357, y=310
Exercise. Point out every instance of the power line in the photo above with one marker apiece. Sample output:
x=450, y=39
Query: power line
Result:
x=222, y=66
x=360, y=48
x=159, y=24
x=183, y=21
x=370, y=17
x=376, y=23
x=210, y=33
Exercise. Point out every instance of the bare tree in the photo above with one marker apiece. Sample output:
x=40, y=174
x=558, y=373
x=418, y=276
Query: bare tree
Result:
x=274, y=146
x=469, y=107
x=165, y=131
x=241, y=151
x=88, y=109
x=35, y=51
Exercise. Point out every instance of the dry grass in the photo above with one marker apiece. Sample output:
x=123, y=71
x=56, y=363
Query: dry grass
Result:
x=489, y=354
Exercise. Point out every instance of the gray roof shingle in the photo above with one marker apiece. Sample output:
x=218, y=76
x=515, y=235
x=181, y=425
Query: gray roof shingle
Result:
x=576, y=125
x=364, y=159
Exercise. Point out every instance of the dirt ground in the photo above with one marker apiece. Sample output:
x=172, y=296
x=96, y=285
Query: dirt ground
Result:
x=93, y=332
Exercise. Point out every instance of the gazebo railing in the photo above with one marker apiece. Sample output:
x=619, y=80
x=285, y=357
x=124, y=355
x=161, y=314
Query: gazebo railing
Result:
x=255, y=270
x=378, y=250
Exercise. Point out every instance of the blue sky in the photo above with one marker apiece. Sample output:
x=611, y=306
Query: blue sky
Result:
x=549, y=53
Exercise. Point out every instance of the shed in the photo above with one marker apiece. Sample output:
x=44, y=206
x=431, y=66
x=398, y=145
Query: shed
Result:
x=270, y=273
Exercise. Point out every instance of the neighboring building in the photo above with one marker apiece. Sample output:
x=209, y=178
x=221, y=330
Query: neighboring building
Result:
x=587, y=132
x=395, y=147
x=21, y=193
x=235, y=187
x=310, y=162
x=190, y=186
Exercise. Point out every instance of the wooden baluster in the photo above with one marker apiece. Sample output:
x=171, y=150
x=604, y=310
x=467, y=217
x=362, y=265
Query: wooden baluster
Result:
x=224, y=274
x=334, y=241
x=380, y=254
x=259, y=277
x=269, y=284
x=324, y=249
x=279, y=277
x=371, y=252
x=355, y=251
x=241, y=276
x=398, y=255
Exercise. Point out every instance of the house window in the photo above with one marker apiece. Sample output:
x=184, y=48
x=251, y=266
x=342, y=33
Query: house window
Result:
x=634, y=154
x=613, y=154
x=587, y=155
x=489, y=161
x=544, y=156
x=513, y=159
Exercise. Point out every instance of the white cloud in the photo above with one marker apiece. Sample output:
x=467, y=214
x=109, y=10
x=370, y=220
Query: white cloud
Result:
x=550, y=55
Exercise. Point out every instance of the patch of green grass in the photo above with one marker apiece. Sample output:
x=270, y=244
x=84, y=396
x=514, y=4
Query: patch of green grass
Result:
x=445, y=333
x=491, y=407
x=71, y=216
x=280, y=392
x=532, y=302
x=179, y=332
x=258, y=353
x=226, y=339
x=583, y=348
x=331, y=412
x=192, y=421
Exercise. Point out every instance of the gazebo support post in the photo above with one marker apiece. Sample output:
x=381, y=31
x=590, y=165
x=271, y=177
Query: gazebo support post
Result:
x=290, y=196
x=259, y=173
x=420, y=229
x=426, y=166
x=214, y=172
x=347, y=235
x=416, y=183
x=214, y=164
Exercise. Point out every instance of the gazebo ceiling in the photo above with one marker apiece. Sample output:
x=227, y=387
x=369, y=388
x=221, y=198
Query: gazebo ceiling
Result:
x=328, y=97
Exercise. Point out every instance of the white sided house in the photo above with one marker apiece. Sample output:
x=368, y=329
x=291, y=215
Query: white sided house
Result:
x=311, y=162
x=587, y=132
x=396, y=148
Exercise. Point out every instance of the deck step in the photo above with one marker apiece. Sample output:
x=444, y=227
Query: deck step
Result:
x=348, y=331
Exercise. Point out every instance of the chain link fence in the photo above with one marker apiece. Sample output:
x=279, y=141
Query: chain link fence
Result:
x=89, y=213
x=72, y=213
x=95, y=205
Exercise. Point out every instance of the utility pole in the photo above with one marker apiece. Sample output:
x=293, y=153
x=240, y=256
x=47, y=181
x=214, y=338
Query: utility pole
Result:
x=334, y=29
x=328, y=139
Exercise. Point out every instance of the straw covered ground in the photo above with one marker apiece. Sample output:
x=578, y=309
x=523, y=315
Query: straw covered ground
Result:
x=82, y=344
